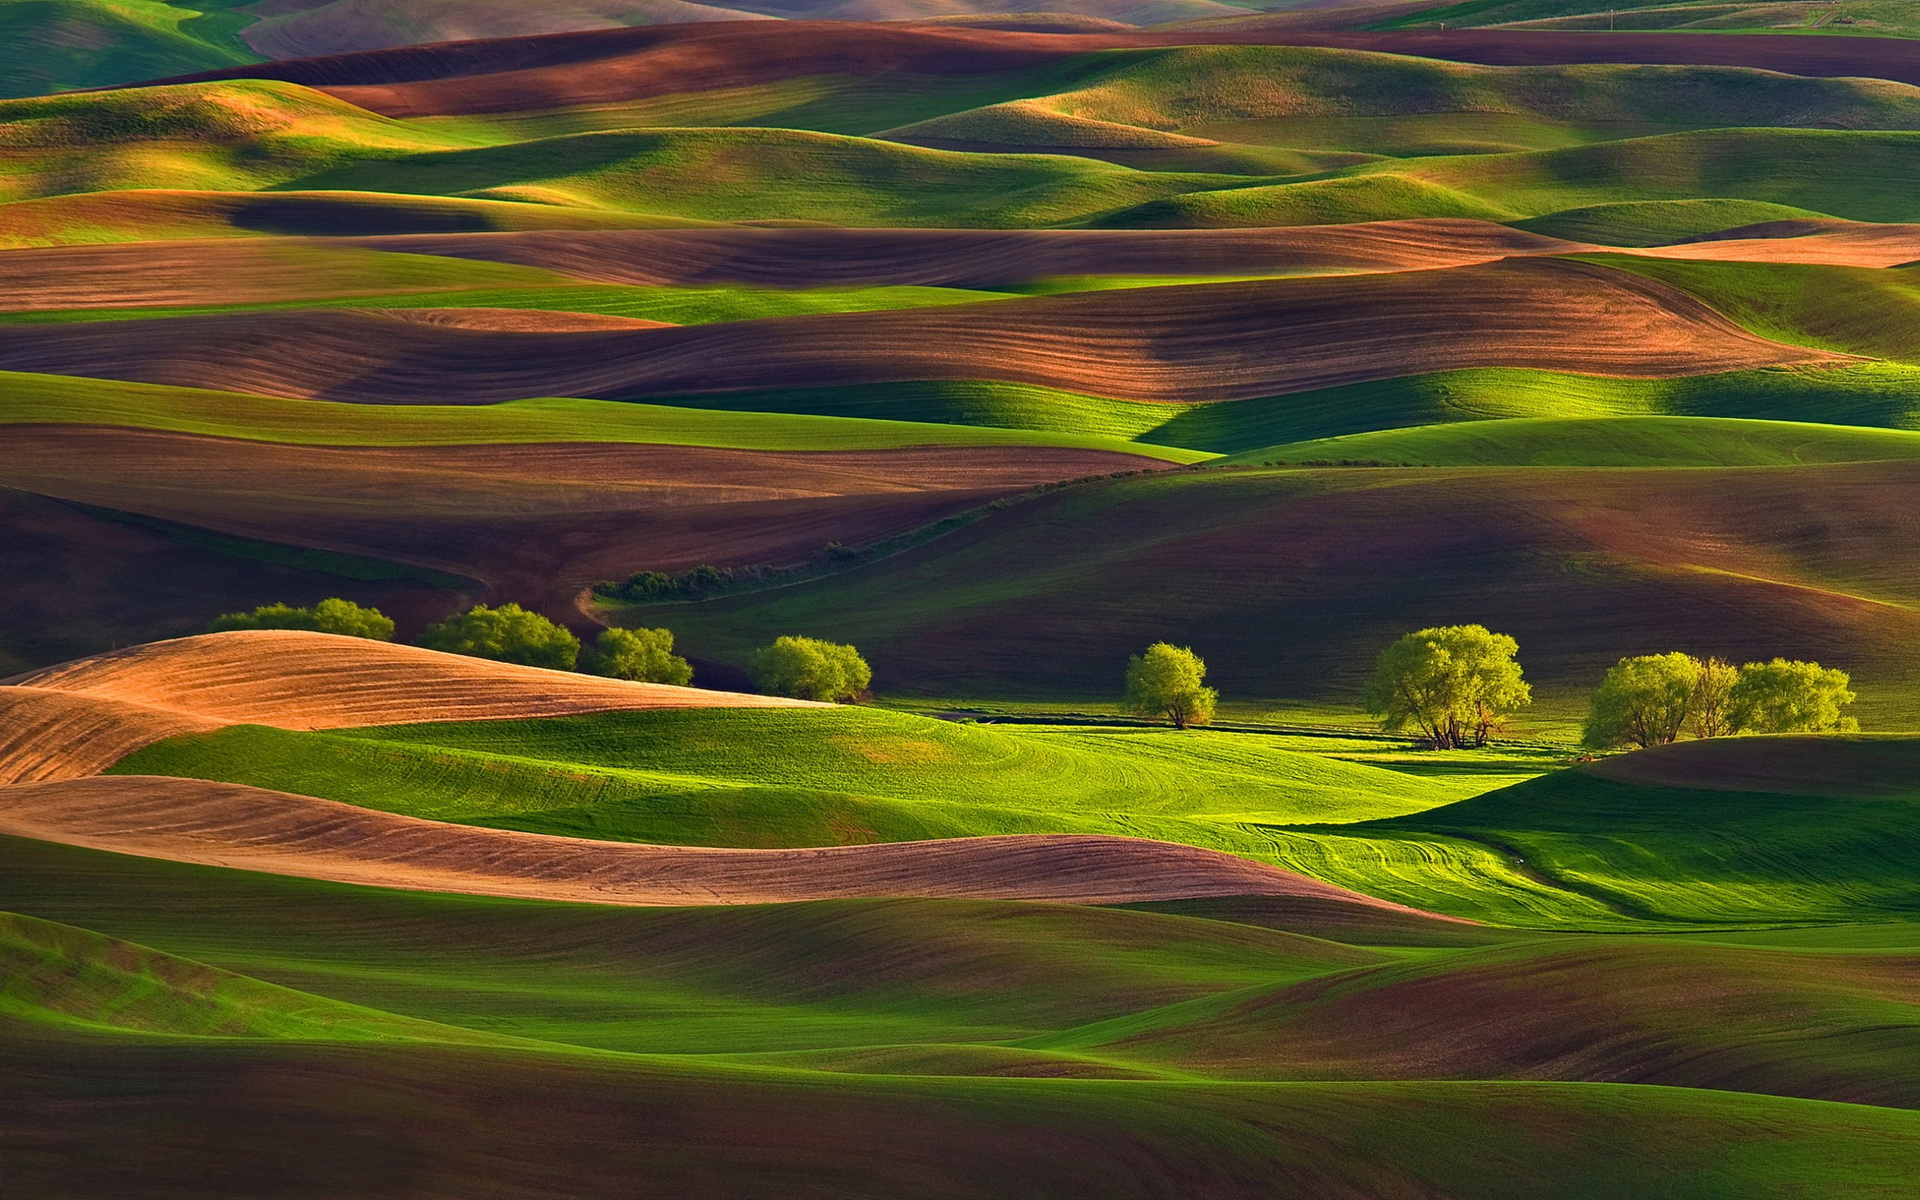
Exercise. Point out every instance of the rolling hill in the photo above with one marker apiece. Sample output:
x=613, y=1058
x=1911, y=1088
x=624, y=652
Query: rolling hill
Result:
x=1000, y=346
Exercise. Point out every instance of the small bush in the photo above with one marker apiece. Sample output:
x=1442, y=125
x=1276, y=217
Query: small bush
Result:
x=641, y=655
x=505, y=634
x=810, y=669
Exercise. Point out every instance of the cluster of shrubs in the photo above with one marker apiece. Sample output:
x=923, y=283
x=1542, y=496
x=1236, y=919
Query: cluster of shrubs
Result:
x=801, y=667
x=1460, y=684
x=1652, y=699
x=508, y=633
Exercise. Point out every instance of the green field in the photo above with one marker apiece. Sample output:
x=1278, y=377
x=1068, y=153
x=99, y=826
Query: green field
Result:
x=1605, y=442
x=1447, y=834
x=55, y=399
x=897, y=1019
x=1300, y=136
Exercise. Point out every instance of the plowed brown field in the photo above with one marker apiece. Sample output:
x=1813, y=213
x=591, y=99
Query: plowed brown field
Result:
x=1205, y=342
x=61, y=735
x=223, y=824
x=537, y=521
x=934, y=257
x=298, y=680
x=1831, y=243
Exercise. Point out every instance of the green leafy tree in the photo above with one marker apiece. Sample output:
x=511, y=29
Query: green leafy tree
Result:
x=1710, y=712
x=642, y=655
x=505, y=634
x=1643, y=701
x=1169, y=681
x=1783, y=696
x=810, y=669
x=332, y=615
x=1456, y=684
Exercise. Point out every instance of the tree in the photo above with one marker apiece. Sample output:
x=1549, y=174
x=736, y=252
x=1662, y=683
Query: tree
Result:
x=642, y=655
x=1709, y=714
x=505, y=634
x=1456, y=684
x=1166, y=681
x=1645, y=701
x=1790, y=697
x=332, y=615
x=810, y=669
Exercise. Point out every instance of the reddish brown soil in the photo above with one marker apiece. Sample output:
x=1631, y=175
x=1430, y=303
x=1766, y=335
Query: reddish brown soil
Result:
x=950, y=257
x=518, y=320
x=1200, y=342
x=223, y=824
x=1834, y=243
x=200, y=272
x=302, y=680
x=233, y=271
x=536, y=522
x=56, y=735
x=603, y=66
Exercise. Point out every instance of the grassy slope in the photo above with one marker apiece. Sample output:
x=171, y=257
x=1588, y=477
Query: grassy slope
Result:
x=57, y=45
x=655, y=775
x=64, y=400
x=1611, y=853
x=857, y=775
x=1228, y=91
x=1882, y=18
x=249, y=136
x=746, y=1000
x=1605, y=442
x=1875, y=395
x=1733, y=855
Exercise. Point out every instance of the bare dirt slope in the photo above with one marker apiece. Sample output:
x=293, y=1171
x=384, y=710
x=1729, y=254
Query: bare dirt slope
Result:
x=60, y=735
x=299, y=680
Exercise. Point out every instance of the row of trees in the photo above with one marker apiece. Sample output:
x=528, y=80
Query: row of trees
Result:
x=1652, y=699
x=508, y=633
x=801, y=667
x=1460, y=685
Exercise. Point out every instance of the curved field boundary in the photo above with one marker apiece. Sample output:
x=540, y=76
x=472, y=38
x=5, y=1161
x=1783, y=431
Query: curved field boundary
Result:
x=1823, y=243
x=986, y=258
x=935, y=257
x=1885, y=766
x=228, y=825
x=58, y=735
x=604, y=66
x=299, y=680
x=233, y=271
x=1196, y=342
